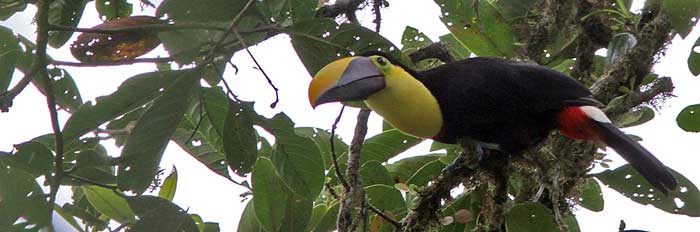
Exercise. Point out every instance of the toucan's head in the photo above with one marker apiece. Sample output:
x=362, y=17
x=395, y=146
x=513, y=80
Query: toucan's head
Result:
x=349, y=79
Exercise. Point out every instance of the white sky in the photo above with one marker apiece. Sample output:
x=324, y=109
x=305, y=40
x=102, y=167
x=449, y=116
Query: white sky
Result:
x=217, y=200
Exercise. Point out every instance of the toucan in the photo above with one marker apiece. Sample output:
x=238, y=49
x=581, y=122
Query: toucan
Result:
x=507, y=105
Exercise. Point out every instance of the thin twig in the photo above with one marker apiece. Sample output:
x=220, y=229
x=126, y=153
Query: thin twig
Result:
x=395, y=223
x=88, y=181
x=150, y=27
x=376, y=8
x=269, y=81
x=6, y=98
x=334, y=157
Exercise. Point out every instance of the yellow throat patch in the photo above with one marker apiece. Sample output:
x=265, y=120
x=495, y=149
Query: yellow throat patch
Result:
x=407, y=104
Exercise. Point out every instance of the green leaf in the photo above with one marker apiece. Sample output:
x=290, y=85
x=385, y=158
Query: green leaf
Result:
x=488, y=35
x=385, y=197
x=322, y=140
x=412, y=40
x=689, y=118
x=619, y=46
x=65, y=90
x=405, y=168
x=113, y=9
x=373, y=173
x=32, y=157
x=144, y=148
x=426, y=173
x=248, y=221
x=328, y=222
x=630, y=183
x=303, y=9
x=64, y=13
x=109, y=203
x=68, y=217
x=317, y=214
x=530, y=216
x=198, y=137
x=321, y=41
x=636, y=117
x=10, y=7
x=681, y=12
x=455, y=47
x=277, y=11
x=21, y=196
x=155, y=212
x=267, y=191
x=9, y=55
x=184, y=45
x=232, y=124
x=211, y=227
x=513, y=9
x=386, y=145
x=591, y=196
x=134, y=92
x=297, y=159
x=694, y=58
x=204, y=11
x=167, y=190
x=239, y=137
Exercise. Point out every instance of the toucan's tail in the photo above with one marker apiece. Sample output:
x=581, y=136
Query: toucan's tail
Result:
x=639, y=157
x=590, y=123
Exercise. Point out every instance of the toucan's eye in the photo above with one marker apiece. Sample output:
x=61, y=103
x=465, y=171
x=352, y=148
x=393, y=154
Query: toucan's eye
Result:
x=381, y=61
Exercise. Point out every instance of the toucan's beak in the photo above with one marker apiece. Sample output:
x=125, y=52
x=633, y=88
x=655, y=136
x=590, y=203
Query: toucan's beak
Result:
x=348, y=79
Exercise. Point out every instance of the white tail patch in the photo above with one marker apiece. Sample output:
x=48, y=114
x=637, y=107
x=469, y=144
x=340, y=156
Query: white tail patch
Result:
x=594, y=113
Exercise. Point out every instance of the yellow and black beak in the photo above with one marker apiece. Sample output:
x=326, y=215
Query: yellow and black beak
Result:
x=348, y=79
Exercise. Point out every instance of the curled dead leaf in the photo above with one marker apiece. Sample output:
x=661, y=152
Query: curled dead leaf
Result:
x=96, y=47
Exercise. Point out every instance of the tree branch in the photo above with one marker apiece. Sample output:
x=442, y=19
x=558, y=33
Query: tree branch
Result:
x=353, y=213
x=436, y=50
x=39, y=64
x=346, y=7
x=425, y=212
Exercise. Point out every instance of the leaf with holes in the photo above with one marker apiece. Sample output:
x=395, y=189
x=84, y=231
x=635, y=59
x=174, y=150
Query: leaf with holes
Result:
x=683, y=13
x=96, y=47
x=386, y=145
x=689, y=118
x=239, y=137
x=296, y=159
x=204, y=11
x=134, y=92
x=64, y=13
x=197, y=137
x=32, y=157
x=21, y=196
x=591, y=196
x=10, y=52
x=65, y=90
x=144, y=148
x=630, y=183
x=113, y=9
x=694, y=58
x=156, y=212
x=412, y=40
x=109, y=203
x=530, y=217
x=321, y=41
